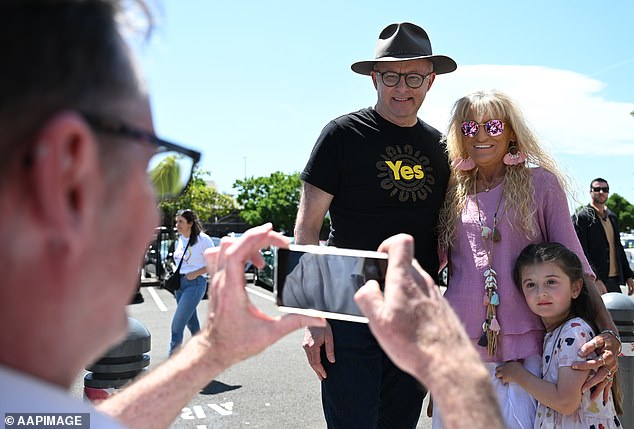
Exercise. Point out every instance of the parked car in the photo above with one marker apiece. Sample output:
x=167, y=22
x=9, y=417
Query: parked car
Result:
x=628, y=245
x=249, y=267
x=264, y=276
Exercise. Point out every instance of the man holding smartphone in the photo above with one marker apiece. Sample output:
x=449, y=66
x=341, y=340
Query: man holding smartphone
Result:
x=390, y=176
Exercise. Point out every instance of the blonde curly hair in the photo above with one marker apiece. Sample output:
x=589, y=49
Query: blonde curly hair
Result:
x=518, y=188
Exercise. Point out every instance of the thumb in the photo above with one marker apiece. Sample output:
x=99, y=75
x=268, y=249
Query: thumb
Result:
x=369, y=298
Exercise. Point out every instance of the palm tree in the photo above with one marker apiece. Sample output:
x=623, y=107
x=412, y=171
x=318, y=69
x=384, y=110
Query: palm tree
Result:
x=166, y=176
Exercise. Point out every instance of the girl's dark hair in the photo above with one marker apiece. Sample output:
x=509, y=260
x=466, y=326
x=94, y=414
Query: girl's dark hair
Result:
x=191, y=217
x=569, y=263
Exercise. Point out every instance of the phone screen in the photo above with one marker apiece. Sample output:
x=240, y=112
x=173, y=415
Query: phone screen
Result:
x=321, y=281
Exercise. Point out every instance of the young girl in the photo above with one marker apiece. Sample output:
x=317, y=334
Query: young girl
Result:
x=551, y=278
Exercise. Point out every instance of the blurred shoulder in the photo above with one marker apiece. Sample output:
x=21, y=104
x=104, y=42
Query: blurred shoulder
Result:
x=205, y=238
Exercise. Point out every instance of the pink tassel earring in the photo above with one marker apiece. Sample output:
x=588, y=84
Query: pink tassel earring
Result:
x=514, y=155
x=463, y=164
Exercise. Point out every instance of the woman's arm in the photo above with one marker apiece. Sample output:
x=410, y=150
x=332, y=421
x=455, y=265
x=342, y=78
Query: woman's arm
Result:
x=557, y=226
x=194, y=274
x=605, y=345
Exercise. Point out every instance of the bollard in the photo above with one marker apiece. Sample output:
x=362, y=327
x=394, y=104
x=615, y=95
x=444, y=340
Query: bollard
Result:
x=621, y=308
x=120, y=364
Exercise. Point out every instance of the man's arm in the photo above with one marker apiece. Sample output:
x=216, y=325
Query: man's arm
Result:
x=235, y=330
x=581, y=228
x=624, y=264
x=582, y=221
x=313, y=206
x=422, y=335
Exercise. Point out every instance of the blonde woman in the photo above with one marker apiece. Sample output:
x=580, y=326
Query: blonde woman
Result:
x=495, y=206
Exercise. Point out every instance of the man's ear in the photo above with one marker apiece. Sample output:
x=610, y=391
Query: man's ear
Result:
x=64, y=172
x=431, y=79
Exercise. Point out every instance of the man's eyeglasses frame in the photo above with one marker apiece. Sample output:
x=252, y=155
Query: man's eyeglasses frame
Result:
x=119, y=128
x=406, y=75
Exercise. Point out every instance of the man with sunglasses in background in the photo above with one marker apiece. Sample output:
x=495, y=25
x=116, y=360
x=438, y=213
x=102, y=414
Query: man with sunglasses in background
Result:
x=598, y=230
x=78, y=157
x=378, y=172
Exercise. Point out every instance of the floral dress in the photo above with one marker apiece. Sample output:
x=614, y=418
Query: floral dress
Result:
x=560, y=349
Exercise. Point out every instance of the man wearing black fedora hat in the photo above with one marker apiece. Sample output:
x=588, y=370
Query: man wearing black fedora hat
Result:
x=379, y=171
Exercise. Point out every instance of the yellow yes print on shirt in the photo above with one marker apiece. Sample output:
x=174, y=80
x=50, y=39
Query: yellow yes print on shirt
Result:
x=406, y=173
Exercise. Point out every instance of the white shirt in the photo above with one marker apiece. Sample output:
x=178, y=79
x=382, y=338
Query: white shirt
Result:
x=21, y=393
x=194, y=258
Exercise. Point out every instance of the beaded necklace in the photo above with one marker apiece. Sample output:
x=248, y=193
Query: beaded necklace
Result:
x=490, y=326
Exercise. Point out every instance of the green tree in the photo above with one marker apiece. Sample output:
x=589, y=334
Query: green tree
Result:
x=624, y=210
x=206, y=201
x=270, y=199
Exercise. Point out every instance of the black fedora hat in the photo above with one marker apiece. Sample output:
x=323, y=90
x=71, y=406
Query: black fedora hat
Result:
x=402, y=42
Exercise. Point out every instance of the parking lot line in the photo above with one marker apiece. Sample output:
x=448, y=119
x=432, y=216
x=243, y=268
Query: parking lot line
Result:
x=157, y=299
x=268, y=297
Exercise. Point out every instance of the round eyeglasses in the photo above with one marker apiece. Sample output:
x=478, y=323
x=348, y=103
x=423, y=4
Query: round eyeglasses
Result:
x=413, y=80
x=493, y=127
x=171, y=167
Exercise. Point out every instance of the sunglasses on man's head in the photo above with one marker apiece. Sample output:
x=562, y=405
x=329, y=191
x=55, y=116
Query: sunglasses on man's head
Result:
x=493, y=127
x=605, y=189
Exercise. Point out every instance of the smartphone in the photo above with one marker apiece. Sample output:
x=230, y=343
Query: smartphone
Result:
x=321, y=280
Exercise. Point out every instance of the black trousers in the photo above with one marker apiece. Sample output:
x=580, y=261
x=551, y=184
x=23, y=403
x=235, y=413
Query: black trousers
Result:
x=613, y=284
x=363, y=388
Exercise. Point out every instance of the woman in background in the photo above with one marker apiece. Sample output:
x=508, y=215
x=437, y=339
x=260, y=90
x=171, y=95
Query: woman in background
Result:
x=190, y=247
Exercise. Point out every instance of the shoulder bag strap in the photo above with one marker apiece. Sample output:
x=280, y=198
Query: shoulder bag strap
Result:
x=178, y=270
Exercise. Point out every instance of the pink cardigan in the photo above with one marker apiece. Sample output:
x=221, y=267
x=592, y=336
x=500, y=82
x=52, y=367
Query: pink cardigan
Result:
x=521, y=331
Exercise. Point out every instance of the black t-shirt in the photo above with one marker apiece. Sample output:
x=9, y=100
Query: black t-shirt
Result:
x=385, y=180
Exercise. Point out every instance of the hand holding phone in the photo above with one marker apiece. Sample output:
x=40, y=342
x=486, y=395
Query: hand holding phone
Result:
x=321, y=281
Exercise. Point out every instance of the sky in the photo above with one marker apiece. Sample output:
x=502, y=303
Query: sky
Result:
x=251, y=84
